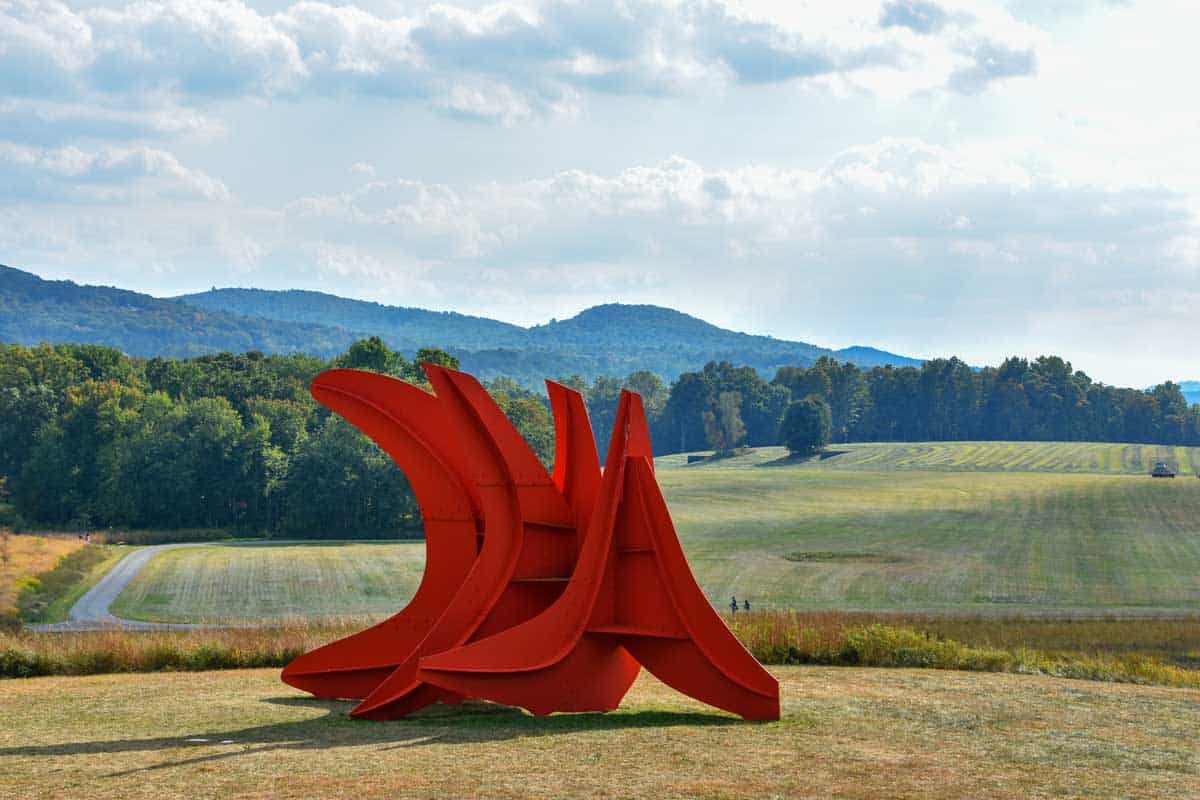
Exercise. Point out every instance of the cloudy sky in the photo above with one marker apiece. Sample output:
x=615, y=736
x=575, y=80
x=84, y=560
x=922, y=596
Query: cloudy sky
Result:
x=953, y=177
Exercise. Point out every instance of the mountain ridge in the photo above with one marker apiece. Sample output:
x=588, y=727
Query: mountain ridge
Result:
x=579, y=331
x=1191, y=390
x=34, y=310
x=607, y=339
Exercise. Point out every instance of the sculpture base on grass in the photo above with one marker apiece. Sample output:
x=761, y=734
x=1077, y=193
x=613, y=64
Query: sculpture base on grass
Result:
x=544, y=592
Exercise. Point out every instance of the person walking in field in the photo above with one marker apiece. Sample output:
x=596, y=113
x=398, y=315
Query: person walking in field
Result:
x=745, y=605
x=733, y=605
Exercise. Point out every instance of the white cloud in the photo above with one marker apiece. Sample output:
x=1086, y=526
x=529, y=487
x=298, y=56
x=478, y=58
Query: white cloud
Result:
x=906, y=229
x=194, y=47
x=991, y=61
x=108, y=175
x=503, y=63
x=33, y=121
x=44, y=45
x=916, y=174
x=943, y=202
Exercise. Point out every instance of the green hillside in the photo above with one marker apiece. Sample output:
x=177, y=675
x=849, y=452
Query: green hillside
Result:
x=1191, y=390
x=604, y=340
x=402, y=328
x=994, y=528
x=612, y=339
x=33, y=310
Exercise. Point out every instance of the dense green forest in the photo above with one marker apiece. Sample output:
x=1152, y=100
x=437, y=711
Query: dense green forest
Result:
x=604, y=340
x=91, y=438
x=942, y=400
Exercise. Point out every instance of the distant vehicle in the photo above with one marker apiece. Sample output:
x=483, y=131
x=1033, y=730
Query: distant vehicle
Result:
x=1161, y=470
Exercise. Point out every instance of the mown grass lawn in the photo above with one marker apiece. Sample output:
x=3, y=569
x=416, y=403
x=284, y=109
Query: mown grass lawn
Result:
x=974, y=542
x=962, y=527
x=853, y=733
x=1096, y=457
x=273, y=582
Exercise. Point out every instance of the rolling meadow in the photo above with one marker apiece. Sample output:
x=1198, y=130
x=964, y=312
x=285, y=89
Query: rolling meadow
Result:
x=1032, y=562
x=1035, y=529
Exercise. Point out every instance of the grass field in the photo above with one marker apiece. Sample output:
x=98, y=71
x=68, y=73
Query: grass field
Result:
x=24, y=556
x=239, y=584
x=68, y=582
x=853, y=733
x=886, y=529
x=1093, y=457
x=975, y=542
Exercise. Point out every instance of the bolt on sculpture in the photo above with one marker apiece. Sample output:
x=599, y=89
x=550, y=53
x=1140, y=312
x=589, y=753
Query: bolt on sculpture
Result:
x=548, y=593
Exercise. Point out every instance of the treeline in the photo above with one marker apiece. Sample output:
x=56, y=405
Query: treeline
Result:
x=944, y=399
x=90, y=438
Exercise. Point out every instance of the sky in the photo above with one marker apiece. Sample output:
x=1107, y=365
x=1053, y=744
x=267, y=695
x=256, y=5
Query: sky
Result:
x=960, y=177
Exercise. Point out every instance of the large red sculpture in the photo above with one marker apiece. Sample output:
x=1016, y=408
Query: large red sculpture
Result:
x=548, y=593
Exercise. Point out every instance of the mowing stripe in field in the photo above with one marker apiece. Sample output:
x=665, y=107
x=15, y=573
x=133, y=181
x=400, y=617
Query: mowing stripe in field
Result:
x=239, y=584
x=988, y=527
x=1086, y=457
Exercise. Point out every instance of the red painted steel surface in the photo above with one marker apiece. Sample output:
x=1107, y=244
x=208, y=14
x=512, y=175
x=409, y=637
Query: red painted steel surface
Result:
x=548, y=593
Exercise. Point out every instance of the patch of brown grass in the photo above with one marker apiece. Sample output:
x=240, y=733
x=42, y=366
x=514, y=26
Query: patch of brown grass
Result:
x=1126, y=651
x=1162, y=651
x=22, y=558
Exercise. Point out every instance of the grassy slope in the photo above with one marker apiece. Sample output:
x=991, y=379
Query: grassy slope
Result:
x=249, y=583
x=960, y=527
x=924, y=540
x=846, y=732
x=60, y=608
x=1087, y=457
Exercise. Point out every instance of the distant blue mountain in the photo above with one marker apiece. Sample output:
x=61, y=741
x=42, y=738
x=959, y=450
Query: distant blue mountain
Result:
x=34, y=310
x=611, y=339
x=1191, y=390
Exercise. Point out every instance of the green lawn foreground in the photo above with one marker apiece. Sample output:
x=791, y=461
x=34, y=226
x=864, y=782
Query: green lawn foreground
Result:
x=886, y=530
x=855, y=733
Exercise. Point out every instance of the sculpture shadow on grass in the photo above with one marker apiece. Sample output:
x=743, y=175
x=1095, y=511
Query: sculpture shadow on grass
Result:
x=470, y=723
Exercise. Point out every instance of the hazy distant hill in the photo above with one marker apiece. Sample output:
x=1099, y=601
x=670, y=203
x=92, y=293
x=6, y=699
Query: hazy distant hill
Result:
x=403, y=328
x=611, y=339
x=1191, y=390
x=604, y=340
x=33, y=310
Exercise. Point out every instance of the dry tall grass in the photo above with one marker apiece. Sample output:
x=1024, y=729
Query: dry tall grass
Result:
x=1127, y=651
x=22, y=558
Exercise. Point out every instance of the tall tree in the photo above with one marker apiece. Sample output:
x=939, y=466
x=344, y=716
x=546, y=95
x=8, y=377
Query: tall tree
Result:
x=723, y=425
x=806, y=426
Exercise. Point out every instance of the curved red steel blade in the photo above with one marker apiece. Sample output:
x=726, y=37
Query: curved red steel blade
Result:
x=516, y=604
x=542, y=664
x=411, y=427
x=527, y=543
x=576, y=463
x=631, y=592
